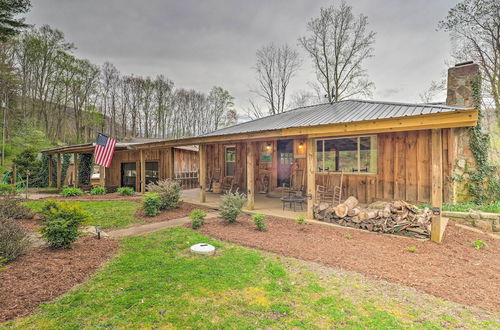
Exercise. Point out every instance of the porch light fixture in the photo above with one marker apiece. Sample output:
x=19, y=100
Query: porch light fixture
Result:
x=268, y=147
x=301, y=145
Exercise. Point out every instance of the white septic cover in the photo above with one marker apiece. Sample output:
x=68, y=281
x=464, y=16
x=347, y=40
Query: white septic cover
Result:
x=203, y=248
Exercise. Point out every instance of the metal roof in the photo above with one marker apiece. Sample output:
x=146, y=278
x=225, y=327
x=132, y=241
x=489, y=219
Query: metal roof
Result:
x=335, y=113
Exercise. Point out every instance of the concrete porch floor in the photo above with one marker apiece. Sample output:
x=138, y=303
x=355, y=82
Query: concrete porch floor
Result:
x=266, y=205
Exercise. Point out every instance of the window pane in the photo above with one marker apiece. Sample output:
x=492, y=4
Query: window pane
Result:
x=230, y=161
x=331, y=158
x=368, y=154
x=319, y=156
x=344, y=154
x=152, y=172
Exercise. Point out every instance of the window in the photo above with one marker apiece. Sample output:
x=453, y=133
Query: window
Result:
x=350, y=155
x=230, y=161
x=151, y=172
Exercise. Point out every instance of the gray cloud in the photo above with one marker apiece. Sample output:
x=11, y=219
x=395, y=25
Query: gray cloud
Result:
x=199, y=44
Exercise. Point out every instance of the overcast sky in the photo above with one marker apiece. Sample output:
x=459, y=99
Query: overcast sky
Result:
x=199, y=44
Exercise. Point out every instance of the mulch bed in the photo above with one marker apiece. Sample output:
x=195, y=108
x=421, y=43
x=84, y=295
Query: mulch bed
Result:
x=44, y=274
x=182, y=211
x=453, y=270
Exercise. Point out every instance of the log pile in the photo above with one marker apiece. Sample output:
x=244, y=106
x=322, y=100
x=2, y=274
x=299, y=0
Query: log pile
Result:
x=398, y=217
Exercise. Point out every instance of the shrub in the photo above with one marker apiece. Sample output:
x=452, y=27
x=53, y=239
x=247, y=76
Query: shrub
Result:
x=478, y=244
x=260, y=221
x=301, y=219
x=125, y=191
x=169, y=192
x=197, y=217
x=231, y=206
x=14, y=240
x=411, y=249
x=151, y=204
x=11, y=207
x=98, y=191
x=7, y=189
x=348, y=236
x=71, y=191
x=61, y=221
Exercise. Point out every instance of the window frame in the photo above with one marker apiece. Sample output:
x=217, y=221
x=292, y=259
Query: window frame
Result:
x=358, y=138
x=233, y=162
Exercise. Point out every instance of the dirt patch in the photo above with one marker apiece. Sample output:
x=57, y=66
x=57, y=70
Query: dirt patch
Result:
x=182, y=211
x=453, y=270
x=44, y=274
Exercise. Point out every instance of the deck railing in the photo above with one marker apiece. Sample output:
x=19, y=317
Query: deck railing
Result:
x=188, y=180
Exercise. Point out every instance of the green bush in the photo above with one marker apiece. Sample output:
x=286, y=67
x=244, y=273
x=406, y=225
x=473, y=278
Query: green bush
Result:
x=301, y=219
x=11, y=207
x=98, y=191
x=125, y=191
x=61, y=222
x=231, y=206
x=7, y=189
x=197, y=217
x=169, y=192
x=14, y=240
x=260, y=221
x=71, y=191
x=151, y=204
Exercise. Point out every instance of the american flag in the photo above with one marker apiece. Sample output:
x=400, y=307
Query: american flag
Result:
x=104, y=149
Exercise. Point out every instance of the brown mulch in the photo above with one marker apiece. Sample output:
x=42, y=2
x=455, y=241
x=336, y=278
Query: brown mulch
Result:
x=182, y=211
x=31, y=224
x=453, y=270
x=44, y=274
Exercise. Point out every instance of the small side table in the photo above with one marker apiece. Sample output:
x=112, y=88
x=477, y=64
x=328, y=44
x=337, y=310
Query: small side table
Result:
x=292, y=202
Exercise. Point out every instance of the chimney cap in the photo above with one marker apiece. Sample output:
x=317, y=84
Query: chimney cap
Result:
x=464, y=63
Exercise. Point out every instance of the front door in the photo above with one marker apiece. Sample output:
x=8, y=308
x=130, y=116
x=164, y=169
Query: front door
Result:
x=129, y=174
x=285, y=161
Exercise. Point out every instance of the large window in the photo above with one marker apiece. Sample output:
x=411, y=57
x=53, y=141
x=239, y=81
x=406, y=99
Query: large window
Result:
x=230, y=156
x=152, y=172
x=349, y=155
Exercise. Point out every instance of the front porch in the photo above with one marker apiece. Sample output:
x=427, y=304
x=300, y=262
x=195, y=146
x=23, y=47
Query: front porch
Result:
x=271, y=206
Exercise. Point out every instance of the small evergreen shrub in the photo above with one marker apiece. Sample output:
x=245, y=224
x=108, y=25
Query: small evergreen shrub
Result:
x=412, y=249
x=71, y=191
x=61, y=222
x=7, y=189
x=98, y=191
x=151, y=204
x=231, y=206
x=260, y=221
x=197, y=217
x=169, y=191
x=14, y=240
x=11, y=207
x=125, y=191
x=301, y=219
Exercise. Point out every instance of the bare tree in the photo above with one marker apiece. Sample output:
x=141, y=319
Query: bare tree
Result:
x=338, y=43
x=275, y=67
x=475, y=27
x=303, y=98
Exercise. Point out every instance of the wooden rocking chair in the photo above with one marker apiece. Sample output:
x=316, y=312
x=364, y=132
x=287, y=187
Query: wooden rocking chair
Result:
x=330, y=196
x=297, y=184
x=215, y=178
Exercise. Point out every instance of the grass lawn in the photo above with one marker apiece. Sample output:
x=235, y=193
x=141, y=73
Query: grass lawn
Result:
x=108, y=214
x=156, y=282
x=493, y=207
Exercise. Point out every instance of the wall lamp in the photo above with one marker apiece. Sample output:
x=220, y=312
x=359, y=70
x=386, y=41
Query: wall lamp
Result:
x=268, y=147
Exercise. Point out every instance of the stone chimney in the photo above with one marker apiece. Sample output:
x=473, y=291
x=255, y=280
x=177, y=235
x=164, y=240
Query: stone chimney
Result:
x=460, y=78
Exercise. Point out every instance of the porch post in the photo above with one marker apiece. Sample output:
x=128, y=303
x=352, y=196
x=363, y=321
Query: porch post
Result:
x=311, y=177
x=438, y=224
x=143, y=172
x=170, y=163
x=75, y=169
x=50, y=170
x=59, y=171
x=203, y=172
x=250, y=175
x=102, y=176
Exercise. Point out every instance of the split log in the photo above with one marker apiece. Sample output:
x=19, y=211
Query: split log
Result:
x=353, y=212
x=342, y=209
x=368, y=214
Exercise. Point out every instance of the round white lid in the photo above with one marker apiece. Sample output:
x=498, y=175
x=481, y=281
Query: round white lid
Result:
x=203, y=248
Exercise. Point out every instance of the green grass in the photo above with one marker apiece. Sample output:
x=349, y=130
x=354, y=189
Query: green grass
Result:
x=156, y=282
x=108, y=214
x=493, y=207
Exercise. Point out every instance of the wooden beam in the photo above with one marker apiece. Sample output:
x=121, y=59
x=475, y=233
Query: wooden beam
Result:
x=460, y=118
x=75, y=170
x=59, y=171
x=142, y=166
x=203, y=172
x=250, y=175
x=311, y=177
x=437, y=229
x=51, y=172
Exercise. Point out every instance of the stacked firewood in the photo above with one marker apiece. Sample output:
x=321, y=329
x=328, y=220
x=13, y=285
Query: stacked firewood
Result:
x=398, y=217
